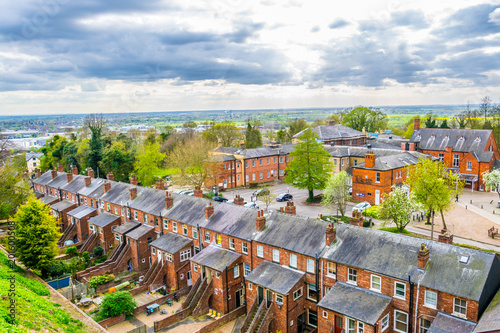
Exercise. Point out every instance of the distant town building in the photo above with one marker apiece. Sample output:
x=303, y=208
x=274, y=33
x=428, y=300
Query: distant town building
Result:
x=33, y=161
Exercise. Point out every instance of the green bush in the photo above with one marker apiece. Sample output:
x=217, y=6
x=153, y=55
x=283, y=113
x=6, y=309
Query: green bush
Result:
x=118, y=303
x=101, y=260
x=253, y=185
x=395, y=230
x=100, y=280
x=86, y=256
x=57, y=268
x=210, y=195
x=98, y=251
x=71, y=251
x=373, y=211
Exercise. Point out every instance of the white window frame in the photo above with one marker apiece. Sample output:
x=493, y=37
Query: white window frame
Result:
x=430, y=293
x=195, y=267
x=377, y=177
x=135, y=216
x=331, y=270
x=459, y=314
x=279, y=299
x=168, y=257
x=372, y=288
x=293, y=260
x=174, y=226
x=244, y=247
x=195, y=232
x=298, y=294
x=153, y=250
x=231, y=243
x=456, y=157
x=396, y=283
x=325, y=314
x=441, y=156
x=185, y=255
x=236, y=271
x=422, y=329
x=184, y=230
x=385, y=322
x=207, y=236
x=260, y=251
x=247, y=269
x=316, y=290
x=276, y=255
x=351, y=272
x=469, y=165
x=308, y=319
x=250, y=286
x=395, y=320
x=347, y=322
x=310, y=266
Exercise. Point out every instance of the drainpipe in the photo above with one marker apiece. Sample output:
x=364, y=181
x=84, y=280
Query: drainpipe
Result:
x=199, y=236
x=161, y=225
x=416, y=306
x=412, y=286
x=227, y=292
x=316, y=272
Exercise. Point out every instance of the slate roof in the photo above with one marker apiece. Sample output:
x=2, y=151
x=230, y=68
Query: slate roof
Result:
x=74, y=185
x=444, y=323
x=126, y=227
x=278, y=278
x=94, y=190
x=338, y=131
x=103, y=219
x=216, y=258
x=233, y=220
x=294, y=233
x=149, y=200
x=171, y=242
x=490, y=320
x=59, y=181
x=62, y=205
x=221, y=158
x=119, y=193
x=461, y=140
x=187, y=209
x=29, y=156
x=81, y=211
x=139, y=232
x=397, y=256
x=359, y=151
x=397, y=161
x=357, y=303
x=45, y=178
x=257, y=152
x=48, y=199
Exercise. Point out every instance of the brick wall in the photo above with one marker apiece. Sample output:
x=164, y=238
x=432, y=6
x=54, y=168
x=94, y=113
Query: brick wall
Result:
x=222, y=320
x=112, y=321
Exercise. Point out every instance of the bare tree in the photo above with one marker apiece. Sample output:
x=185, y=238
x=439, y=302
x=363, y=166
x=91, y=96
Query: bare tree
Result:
x=485, y=106
x=268, y=197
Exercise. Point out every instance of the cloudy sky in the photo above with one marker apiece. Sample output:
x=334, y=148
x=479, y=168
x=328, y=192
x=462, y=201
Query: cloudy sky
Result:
x=127, y=56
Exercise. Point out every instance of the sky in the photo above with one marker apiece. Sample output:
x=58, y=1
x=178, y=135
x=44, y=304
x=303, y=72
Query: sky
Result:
x=62, y=56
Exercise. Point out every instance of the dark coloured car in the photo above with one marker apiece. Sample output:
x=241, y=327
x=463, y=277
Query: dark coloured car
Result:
x=219, y=199
x=284, y=197
x=262, y=191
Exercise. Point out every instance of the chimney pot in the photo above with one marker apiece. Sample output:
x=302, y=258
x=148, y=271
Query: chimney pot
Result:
x=69, y=177
x=445, y=237
x=132, y=192
x=38, y=173
x=416, y=124
x=260, y=221
x=238, y=200
x=160, y=185
x=423, y=256
x=60, y=167
x=90, y=172
x=88, y=180
x=198, y=192
x=53, y=174
x=209, y=211
x=110, y=176
x=331, y=233
x=107, y=186
x=169, y=201
x=290, y=208
x=133, y=180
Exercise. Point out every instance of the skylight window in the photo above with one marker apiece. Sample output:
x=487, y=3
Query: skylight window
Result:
x=464, y=259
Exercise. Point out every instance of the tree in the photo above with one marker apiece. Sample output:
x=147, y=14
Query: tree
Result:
x=310, y=164
x=444, y=124
x=297, y=126
x=399, y=206
x=57, y=268
x=98, y=251
x=253, y=137
x=95, y=123
x=148, y=164
x=430, y=121
x=119, y=160
x=283, y=136
x=485, y=106
x=363, y=117
x=433, y=186
x=115, y=304
x=36, y=234
x=491, y=180
x=268, y=197
x=71, y=251
x=336, y=192
x=75, y=265
x=14, y=187
x=226, y=132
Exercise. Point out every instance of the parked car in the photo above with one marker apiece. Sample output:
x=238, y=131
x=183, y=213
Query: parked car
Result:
x=362, y=206
x=219, y=199
x=262, y=191
x=180, y=191
x=252, y=205
x=284, y=197
x=189, y=192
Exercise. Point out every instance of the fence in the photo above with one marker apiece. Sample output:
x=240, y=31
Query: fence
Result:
x=74, y=289
x=60, y=282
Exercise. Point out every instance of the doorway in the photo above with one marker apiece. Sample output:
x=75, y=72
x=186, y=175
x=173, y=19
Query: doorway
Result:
x=239, y=298
x=189, y=280
x=377, y=197
x=269, y=297
x=260, y=292
x=301, y=323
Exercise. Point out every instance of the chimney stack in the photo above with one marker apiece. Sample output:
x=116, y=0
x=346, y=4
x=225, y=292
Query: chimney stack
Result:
x=290, y=208
x=169, y=201
x=38, y=173
x=107, y=186
x=369, y=159
x=445, y=237
x=133, y=180
x=132, y=192
x=90, y=172
x=282, y=210
x=88, y=180
x=423, y=256
x=331, y=233
x=74, y=169
x=160, y=185
x=416, y=124
x=261, y=220
x=110, y=176
x=239, y=200
x=53, y=174
x=69, y=177
x=198, y=192
x=60, y=167
x=209, y=211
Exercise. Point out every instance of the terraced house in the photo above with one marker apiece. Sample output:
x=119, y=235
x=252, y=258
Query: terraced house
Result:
x=290, y=273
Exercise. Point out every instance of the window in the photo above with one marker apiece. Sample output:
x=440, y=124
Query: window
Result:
x=441, y=156
x=154, y=250
x=400, y=290
x=275, y=160
x=469, y=165
x=195, y=232
x=246, y=178
x=312, y=318
x=184, y=230
x=195, y=268
x=342, y=161
x=377, y=175
x=351, y=325
x=217, y=275
x=246, y=164
x=231, y=243
x=325, y=314
x=250, y=286
x=116, y=210
x=253, y=176
x=174, y=226
x=253, y=164
x=297, y=294
x=261, y=175
x=281, y=159
x=455, y=160
x=310, y=266
x=117, y=237
x=236, y=271
x=279, y=299
x=331, y=269
x=260, y=162
x=108, y=208
x=352, y=276
x=244, y=247
x=168, y=257
x=293, y=260
x=460, y=307
x=400, y=321
x=238, y=177
x=361, y=327
x=185, y=255
x=430, y=299
x=424, y=325
x=218, y=240
x=385, y=322
x=268, y=174
x=376, y=283
x=312, y=292
x=287, y=158
x=247, y=269
x=260, y=251
x=135, y=216
x=276, y=255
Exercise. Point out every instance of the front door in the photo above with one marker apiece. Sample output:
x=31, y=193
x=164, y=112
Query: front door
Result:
x=301, y=323
x=260, y=292
x=189, y=280
x=269, y=297
x=377, y=197
x=339, y=324
x=238, y=296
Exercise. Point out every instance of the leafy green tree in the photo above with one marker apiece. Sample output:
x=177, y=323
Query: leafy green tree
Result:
x=71, y=251
x=53, y=152
x=226, y=132
x=70, y=155
x=253, y=137
x=148, y=163
x=75, y=265
x=57, y=268
x=296, y=126
x=86, y=256
x=36, y=234
x=118, y=159
x=430, y=121
x=95, y=123
x=115, y=304
x=310, y=164
x=492, y=180
x=283, y=136
x=336, y=192
x=363, y=117
x=444, y=124
x=398, y=207
x=268, y=198
x=166, y=132
x=14, y=188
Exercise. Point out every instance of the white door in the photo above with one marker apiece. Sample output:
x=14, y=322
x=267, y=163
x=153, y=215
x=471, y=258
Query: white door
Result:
x=377, y=197
x=189, y=280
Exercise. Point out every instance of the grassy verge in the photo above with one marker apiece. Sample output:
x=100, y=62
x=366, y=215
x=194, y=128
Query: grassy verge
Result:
x=395, y=230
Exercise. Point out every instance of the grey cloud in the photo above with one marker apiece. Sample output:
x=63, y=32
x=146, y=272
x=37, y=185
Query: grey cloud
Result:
x=338, y=23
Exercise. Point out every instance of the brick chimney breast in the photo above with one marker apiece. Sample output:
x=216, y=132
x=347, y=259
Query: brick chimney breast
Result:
x=160, y=185
x=133, y=180
x=169, y=200
x=53, y=174
x=290, y=208
x=260, y=221
x=88, y=180
x=60, y=167
x=369, y=160
x=423, y=256
x=416, y=124
x=331, y=233
x=209, y=211
x=38, y=173
x=69, y=177
x=198, y=192
x=107, y=186
x=238, y=200
x=90, y=172
x=110, y=176
x=132, y=192
x=74, y=169
x=445, y=237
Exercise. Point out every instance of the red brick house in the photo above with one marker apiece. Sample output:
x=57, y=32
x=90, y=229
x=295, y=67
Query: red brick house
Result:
x=79, y=217
x=467, y=152
x=102, y=225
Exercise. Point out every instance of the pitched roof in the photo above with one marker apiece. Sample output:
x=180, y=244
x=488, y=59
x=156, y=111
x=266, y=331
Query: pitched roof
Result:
x=187, y=209
x=396, y=256
x=94, y=190
x=171, y=243
x=126, y=227
x=103, y=219
x=257, y=152
x=149, y=200
x=444, y=323
x=359, y=151
x=62, y=205
x=338, y=131
x=29, y=156
x=76, y=184
x=221, y=158
x=216, y=258
x=46, y=177
x=139, y=232
x=357, y=303
x=48, y=199
x=59, y=181
x=232, y=220
x=275, y=277
x=490, y=320
x=81, y=211
x=119, y=193
x=391, y=162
